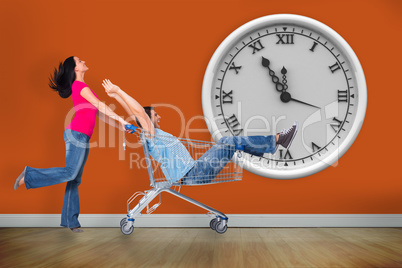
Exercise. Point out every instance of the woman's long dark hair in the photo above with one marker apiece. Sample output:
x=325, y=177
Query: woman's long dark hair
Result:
x=63, y=78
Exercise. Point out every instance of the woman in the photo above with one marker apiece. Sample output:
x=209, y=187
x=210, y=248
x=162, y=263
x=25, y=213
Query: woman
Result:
x=69, y=80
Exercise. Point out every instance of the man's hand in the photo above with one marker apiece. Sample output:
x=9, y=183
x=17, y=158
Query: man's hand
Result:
x=110, y=88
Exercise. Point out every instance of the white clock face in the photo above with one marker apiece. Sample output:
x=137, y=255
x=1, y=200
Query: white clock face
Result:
x=282, y=69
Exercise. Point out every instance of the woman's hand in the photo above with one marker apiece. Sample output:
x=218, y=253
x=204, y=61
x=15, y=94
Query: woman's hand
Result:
x=123, y=124
x=110, y=88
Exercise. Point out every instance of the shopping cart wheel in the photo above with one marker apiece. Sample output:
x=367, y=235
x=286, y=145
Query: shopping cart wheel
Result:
x=123, y=221
x=124, y=227
x=213, y=223
x=220, y=227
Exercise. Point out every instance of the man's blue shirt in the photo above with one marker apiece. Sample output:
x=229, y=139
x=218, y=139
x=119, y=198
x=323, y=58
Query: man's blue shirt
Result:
x=172, y=155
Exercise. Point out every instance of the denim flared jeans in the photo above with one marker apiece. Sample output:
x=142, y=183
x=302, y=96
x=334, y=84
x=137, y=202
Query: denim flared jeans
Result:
x=77, y=149
x=214, y=160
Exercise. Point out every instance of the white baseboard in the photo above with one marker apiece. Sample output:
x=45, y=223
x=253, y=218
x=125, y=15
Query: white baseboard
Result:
x=202, y=220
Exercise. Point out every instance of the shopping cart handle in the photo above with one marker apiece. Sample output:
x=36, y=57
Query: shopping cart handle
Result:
x=131, y=127
x=239, y=147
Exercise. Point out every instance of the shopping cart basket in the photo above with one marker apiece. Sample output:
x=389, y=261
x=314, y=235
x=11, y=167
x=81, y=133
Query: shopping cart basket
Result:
x=162, y=178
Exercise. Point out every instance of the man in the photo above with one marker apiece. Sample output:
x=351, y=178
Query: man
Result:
x=176, y=162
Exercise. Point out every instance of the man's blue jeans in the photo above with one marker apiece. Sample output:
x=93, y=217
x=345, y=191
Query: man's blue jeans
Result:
x=77, y=149
x=214, y=160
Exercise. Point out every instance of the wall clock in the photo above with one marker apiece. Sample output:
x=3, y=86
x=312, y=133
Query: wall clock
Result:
x=279, y=69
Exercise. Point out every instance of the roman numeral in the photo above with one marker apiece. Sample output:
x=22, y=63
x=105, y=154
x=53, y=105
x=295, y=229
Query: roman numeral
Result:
x=313, y=47
x=234, y=67
x=286, y=156
x=285, y=39
x=334, y=67
x=227, y=97
x=315, y=147
x=234, y=125
x=256, y=46
x=342, y=96
x=336, y=126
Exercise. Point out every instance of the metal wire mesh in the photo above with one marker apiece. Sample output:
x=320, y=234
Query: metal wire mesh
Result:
x=203, y=162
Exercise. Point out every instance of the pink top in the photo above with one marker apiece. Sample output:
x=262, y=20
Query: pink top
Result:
x=85, y=112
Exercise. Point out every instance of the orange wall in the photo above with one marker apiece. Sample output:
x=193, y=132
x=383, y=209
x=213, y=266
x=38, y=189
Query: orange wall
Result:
x=158, y=51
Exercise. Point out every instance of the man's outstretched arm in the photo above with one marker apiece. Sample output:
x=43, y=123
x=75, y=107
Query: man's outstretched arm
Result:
x=132, y=106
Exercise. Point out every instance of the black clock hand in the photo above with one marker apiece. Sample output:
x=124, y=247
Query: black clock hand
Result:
x=286, y=97
x=284, y=81
x=305, y=103
x=275, y=79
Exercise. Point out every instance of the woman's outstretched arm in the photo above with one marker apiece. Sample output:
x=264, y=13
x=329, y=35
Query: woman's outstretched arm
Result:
x=87, y=94
x=109, y=120
x=129, y=103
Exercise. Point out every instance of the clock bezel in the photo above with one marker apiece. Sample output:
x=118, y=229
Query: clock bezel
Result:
x=337, y=41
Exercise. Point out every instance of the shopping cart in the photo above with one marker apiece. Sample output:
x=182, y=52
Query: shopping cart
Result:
x=162, y=177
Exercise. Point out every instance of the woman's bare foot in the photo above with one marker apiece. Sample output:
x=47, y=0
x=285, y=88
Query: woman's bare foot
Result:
x=22, y=181
x=76, y=230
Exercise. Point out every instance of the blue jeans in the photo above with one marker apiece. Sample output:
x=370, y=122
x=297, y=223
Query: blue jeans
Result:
x=214, y=160
x=77, y=149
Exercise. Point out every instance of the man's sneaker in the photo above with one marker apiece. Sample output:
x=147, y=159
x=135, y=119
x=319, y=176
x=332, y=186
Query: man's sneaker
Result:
x=286, y=136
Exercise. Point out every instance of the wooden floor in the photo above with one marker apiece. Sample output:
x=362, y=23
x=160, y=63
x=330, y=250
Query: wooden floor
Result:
x=201, y=247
